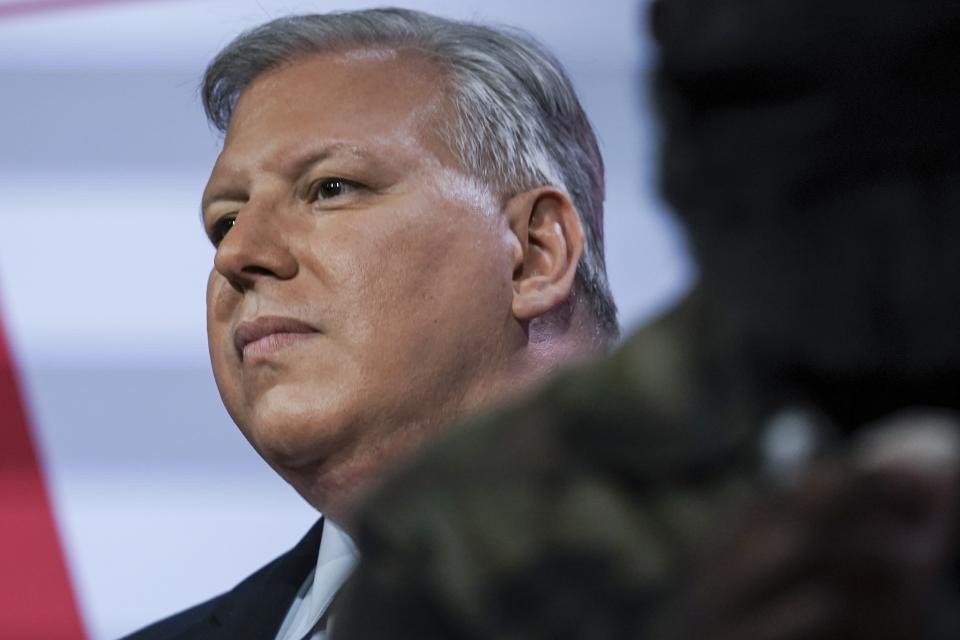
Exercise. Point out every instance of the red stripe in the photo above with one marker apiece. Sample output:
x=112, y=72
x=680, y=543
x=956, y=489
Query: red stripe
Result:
x=36, y=599
x=43, y=6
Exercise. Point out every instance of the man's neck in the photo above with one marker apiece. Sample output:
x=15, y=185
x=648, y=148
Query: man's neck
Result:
x=337, y=487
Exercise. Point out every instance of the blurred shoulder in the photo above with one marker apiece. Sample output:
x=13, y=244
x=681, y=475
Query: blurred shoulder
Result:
x=597, y=488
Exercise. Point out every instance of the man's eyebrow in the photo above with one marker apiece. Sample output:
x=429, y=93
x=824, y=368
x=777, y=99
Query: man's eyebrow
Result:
x=291, y=168
x=306, y=159
x=232, y=195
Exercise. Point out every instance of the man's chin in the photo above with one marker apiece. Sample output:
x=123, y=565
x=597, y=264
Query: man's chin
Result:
x=291, y=446
x=290, y=424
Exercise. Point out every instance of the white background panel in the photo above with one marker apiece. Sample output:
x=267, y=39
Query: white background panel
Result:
x=103, y=154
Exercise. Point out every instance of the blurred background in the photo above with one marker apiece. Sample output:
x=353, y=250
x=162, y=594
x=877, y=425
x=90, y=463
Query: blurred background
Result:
x=158, y=501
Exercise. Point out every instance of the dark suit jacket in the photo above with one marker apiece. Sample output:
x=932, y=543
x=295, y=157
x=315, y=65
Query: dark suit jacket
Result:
x=253, y=609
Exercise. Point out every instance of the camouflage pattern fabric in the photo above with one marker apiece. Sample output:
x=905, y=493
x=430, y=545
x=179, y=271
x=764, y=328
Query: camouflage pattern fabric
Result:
x=576, y=514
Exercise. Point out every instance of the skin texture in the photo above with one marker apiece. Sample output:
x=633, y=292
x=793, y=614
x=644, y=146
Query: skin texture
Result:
x=340, y=208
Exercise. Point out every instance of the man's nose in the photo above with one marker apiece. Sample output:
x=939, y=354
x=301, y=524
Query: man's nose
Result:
x=255, y=249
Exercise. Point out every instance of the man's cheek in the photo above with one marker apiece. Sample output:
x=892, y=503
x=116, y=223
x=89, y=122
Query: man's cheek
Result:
x=221, y=302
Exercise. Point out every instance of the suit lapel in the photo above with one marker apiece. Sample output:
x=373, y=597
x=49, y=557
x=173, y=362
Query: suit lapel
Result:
x=257, y=606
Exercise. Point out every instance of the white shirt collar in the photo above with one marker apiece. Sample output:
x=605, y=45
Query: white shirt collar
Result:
x=335, y=561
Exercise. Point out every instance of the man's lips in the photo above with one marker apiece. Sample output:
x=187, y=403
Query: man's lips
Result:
x=261, y=336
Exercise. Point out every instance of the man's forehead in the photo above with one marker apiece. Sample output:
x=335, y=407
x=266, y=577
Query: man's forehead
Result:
x=358, y=78
x=377, y=117
x=350, y=102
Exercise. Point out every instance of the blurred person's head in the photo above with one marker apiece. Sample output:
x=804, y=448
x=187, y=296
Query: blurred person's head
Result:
x=812, y=149
x=408, y=219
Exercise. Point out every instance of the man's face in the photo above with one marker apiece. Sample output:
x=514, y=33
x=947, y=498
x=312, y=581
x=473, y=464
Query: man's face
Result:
x=361, y=292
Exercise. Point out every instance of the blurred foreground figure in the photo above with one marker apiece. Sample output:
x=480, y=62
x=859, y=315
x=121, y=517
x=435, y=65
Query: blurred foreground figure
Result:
x=777, y=456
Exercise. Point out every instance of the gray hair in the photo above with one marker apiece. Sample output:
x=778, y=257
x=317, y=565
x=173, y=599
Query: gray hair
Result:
x=518, y=124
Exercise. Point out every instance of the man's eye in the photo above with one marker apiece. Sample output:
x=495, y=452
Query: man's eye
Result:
x=221, y=227
x=331, y=188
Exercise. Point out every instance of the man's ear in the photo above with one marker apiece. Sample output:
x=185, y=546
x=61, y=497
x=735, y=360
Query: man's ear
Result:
x=550, y=235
